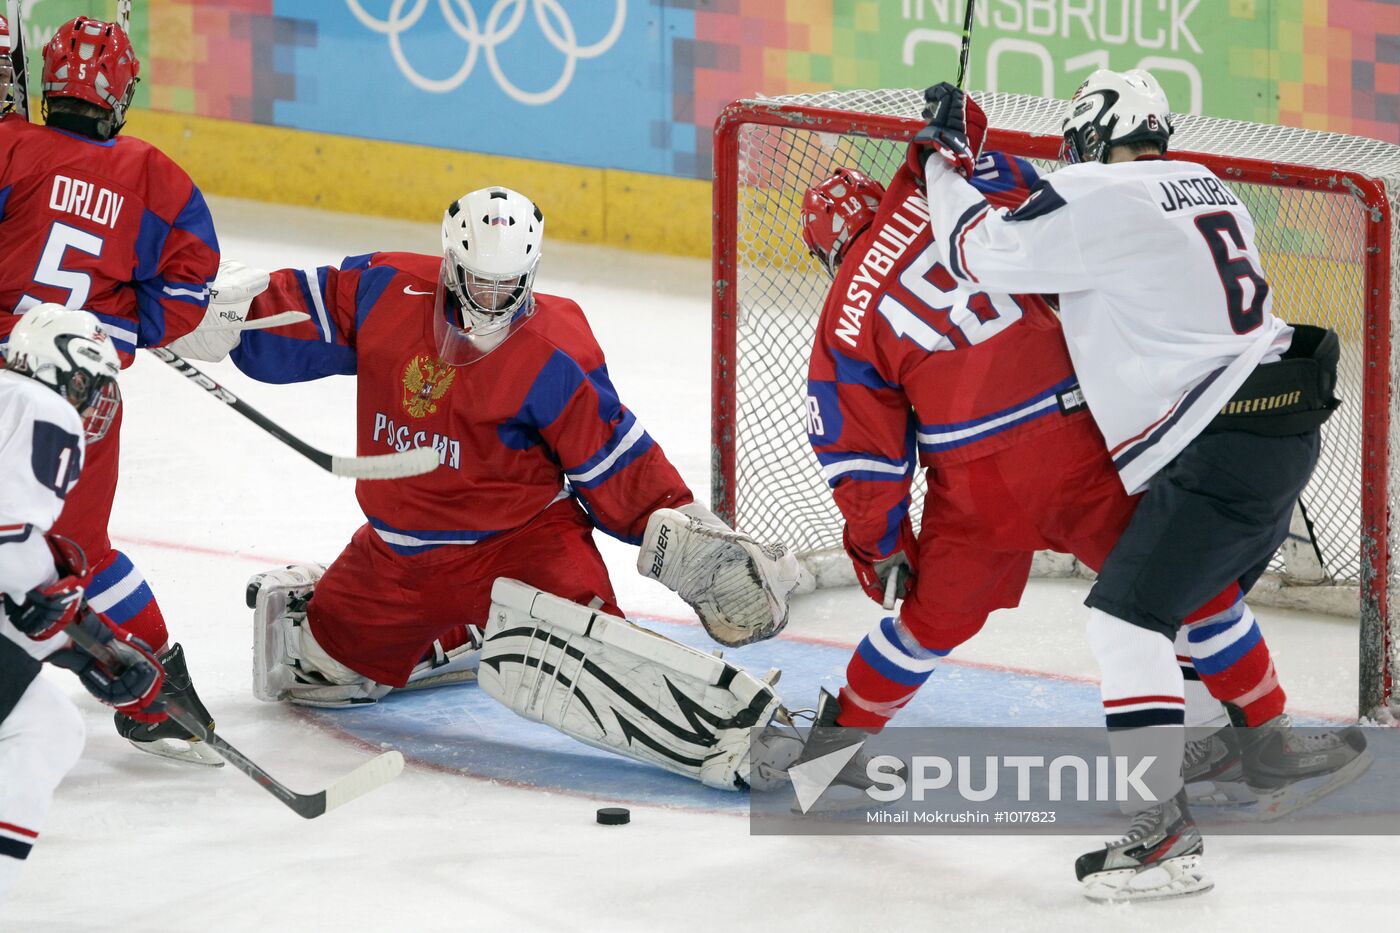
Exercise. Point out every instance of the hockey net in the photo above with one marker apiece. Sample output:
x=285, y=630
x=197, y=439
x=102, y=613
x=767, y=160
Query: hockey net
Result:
x=1325, y=212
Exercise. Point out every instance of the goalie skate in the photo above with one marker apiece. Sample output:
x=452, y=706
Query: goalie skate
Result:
x=1159, y=857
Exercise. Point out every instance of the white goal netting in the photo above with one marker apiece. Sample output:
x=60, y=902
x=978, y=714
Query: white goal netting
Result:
x=1324, y=207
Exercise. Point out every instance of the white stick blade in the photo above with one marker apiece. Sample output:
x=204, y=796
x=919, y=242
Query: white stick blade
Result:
x=281, y=319
x=372, y=774
x=414, y=462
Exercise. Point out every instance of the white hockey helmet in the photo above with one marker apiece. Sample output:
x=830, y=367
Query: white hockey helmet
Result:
x=1111, y=109
x=68, y=351
x=490, y=249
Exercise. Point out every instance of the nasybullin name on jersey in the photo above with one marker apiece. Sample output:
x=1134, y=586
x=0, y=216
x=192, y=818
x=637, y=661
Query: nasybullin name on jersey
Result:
x=978, y=780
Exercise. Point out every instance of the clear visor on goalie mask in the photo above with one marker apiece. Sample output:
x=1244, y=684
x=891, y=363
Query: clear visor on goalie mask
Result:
x=466, y=325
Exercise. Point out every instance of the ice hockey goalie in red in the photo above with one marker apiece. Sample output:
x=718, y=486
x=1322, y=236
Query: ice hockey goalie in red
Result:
x=458, y=352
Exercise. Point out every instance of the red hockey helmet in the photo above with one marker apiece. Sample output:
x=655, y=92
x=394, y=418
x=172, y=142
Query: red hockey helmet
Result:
x=92, y=61
x=835, y=211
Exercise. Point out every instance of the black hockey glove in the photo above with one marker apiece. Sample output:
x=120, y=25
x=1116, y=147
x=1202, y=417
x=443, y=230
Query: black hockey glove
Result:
x=945, y=137
x=129, y=681
x=46, y=609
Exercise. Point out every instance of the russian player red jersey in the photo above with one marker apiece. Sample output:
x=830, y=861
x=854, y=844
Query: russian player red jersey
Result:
x=115, y=227
x=533, y=421
x=909, y=361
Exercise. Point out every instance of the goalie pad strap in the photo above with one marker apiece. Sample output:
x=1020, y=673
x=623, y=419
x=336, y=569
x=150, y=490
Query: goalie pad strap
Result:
x=619, y=687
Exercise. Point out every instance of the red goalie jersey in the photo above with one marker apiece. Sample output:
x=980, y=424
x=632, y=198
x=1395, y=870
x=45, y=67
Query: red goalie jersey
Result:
x=114, y=227
x=532, y=422
x=899, y=333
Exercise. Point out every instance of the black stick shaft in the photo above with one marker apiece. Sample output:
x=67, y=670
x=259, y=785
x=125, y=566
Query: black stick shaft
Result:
x=20, y=89
x=306, y=805
x=966, y=43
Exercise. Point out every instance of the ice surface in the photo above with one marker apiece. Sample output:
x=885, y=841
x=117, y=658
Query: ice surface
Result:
x=139, y=844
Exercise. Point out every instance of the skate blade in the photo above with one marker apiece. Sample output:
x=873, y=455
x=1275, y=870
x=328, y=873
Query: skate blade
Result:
x=1182, y=876
x=1279, y=803
x=190, y=753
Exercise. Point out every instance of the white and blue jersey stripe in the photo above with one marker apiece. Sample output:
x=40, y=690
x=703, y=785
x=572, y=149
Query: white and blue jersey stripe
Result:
x=934, y=438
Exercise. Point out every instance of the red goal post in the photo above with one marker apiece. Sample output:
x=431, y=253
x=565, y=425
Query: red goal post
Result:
x=1325, y=207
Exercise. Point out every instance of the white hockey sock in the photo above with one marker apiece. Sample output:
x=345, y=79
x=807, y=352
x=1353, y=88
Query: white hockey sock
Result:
x=40, y=741
x=1143, y=700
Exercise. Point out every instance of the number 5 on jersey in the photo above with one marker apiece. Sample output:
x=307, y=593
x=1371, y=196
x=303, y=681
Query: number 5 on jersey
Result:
x=50, y=271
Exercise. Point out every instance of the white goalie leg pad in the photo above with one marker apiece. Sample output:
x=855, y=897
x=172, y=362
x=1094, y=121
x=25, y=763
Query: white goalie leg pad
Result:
x=619, y=687
x=289, y=664
x=738, y=588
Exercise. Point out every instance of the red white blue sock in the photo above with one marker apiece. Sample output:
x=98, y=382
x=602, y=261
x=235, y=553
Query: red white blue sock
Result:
x=1232, y=659
x=120, y=593
x=887, y=669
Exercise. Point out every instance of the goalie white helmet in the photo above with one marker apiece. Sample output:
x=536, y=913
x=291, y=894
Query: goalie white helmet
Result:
x=490, y=249
x=68, y=351
x=1111, y=109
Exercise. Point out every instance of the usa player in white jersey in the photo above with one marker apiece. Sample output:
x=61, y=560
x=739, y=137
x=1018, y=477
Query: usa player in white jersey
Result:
x=1211, y=407
x=59, y=363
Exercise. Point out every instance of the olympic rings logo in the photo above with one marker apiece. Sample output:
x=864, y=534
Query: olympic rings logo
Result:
x=504, y=20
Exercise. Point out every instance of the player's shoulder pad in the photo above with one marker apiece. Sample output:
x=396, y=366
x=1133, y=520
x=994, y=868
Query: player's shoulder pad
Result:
x=560, y=324
x=417, y=265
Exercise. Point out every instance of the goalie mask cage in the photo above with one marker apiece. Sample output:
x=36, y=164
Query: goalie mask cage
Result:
x=1325, y=211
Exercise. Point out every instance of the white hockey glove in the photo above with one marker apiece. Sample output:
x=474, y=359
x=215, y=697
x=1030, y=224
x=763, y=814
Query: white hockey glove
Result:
x=230, y=296
x=738, y=588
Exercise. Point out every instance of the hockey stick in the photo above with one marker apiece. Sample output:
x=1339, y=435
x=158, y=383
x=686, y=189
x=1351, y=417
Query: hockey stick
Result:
x=966, y=43
x=20, y=88
x=379, y=466
x=377, y=771
x=124, y=16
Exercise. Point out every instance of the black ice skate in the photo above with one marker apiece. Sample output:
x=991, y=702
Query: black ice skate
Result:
x=1288, y=768
x=169, y=739
x=1213, y=770
x=847, y=789
x=1160, y=857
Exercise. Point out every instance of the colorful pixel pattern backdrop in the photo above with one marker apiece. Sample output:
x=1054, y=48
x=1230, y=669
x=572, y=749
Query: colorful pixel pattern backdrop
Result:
x=637, y=84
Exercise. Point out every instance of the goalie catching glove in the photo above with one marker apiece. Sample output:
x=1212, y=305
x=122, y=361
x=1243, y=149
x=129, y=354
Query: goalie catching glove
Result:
x=738, y=588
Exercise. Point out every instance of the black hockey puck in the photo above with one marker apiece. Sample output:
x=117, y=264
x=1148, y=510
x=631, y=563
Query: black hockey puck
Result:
x=614, y=816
